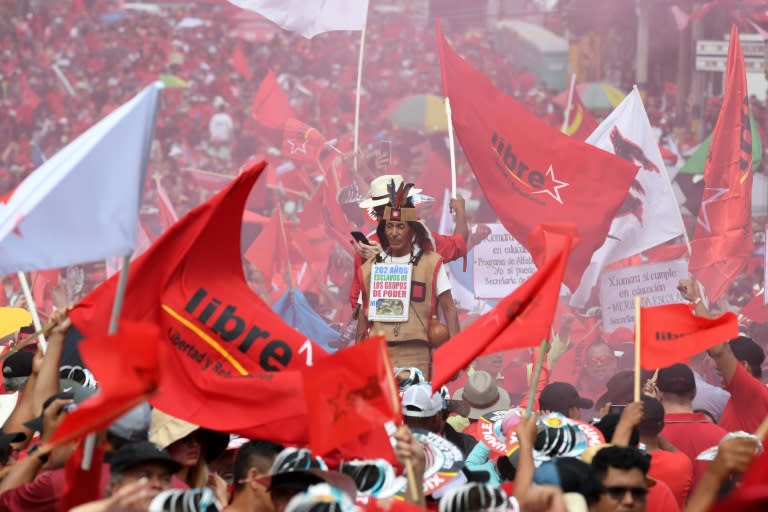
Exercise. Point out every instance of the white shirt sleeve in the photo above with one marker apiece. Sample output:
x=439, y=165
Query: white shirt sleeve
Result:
x=443, y=284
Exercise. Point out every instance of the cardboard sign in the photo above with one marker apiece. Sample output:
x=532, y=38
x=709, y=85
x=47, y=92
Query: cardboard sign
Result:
x=500, y=264
x=656, y=285
x=390, y=295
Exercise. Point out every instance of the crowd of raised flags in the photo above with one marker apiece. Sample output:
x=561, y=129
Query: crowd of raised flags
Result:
x=179, y=327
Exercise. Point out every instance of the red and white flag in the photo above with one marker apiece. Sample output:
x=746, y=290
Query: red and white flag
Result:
x=650, y=215
x=530, y=172
x=310, y=18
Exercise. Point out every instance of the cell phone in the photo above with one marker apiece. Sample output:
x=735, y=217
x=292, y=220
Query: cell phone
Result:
x=385, y=149
x=360, y=237
x=616, y=409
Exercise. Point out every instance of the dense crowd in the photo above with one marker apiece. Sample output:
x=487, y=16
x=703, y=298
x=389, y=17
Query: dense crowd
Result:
x=589, y=445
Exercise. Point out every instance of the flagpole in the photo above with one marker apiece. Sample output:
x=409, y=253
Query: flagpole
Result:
x=356, y=142
x=287, y=251
x=637, y=349
x=567, y=113
x=536, y=377
x=451, y=146
x=32, y=308
x=396, y=407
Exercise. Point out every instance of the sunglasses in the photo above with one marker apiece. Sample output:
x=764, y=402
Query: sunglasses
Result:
x=617, y=493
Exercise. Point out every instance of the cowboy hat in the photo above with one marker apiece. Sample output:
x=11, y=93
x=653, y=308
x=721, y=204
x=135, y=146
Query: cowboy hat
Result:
x=379, y=194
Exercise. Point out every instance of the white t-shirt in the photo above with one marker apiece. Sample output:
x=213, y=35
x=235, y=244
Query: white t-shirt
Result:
x=442, y=284
x=220, y=127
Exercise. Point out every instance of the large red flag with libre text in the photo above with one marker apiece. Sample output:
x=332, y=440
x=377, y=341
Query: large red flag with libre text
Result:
x=233, y=364
x=672, y=334
x=349, y=394
x=520, y=320
x=270, y=106
x=530, y=172
x=722, y=242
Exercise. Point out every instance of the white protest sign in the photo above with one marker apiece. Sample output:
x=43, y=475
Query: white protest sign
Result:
x=500, y=264
x=390, y=292
x=655, y=283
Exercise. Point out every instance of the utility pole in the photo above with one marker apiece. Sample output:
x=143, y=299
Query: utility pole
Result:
x=641, y=55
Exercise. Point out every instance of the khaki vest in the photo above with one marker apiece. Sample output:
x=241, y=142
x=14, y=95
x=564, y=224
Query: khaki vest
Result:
x=423, y=305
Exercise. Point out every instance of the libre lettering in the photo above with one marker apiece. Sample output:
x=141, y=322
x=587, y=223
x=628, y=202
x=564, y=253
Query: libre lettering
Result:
x=275, y=355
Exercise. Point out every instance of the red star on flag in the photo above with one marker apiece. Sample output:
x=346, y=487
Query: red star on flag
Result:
x=553, y=185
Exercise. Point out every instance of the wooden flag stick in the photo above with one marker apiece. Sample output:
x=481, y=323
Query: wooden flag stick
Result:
x=536, y=377
x=569, y=104
x=396, y=407
x=28, y=340
x=637, y=349
x=32, y=308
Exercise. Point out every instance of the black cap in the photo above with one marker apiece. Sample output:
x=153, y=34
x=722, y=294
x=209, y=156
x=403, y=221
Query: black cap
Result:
x=70, y=390
x=677, y=379
x=144, y=452
x=561, y=396
x=653, y=416
x=13, y=437
x=746, y=349
x=18, y=365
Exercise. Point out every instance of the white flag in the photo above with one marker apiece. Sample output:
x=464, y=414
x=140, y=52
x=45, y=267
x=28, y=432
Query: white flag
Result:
x=82, y=205
x=650, y=215
x=310, y=17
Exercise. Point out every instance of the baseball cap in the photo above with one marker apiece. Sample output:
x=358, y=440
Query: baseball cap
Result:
x=561, y=396
x=746, y=349
x=143, y=452
x=70, y=390
x=420, y=402
x=18, y=365
x=653, y=416
x=677, y=379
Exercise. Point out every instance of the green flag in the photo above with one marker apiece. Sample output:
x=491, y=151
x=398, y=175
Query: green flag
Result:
x=695, y=164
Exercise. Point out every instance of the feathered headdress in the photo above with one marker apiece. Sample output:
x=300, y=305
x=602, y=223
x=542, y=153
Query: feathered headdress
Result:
x=399, y=209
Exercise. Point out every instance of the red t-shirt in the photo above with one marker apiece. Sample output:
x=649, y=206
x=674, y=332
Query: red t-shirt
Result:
x=661, y=499
x=674, y=469
x=692, y=433
x=449, y=247
x=748, y=405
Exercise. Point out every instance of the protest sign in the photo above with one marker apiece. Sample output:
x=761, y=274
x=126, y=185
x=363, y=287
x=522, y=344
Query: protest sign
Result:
x=656, y=285
x=390, y=292
x=500, y=264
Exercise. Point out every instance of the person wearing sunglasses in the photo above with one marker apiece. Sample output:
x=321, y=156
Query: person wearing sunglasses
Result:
x=621, y=474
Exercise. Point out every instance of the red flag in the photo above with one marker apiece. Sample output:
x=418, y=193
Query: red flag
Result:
x=531, y=173
x=82, y=486
x=722, y=241
x=581, y=122
x=270, y=106
x=240, y=62
x=522, y=319
x=350, y=394
x=128, y=372
x=672, y=334
x=756, y=309
x=301, y=142
x=229, y=352
x=271, y=261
